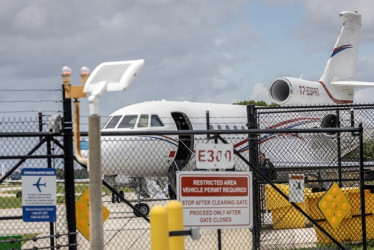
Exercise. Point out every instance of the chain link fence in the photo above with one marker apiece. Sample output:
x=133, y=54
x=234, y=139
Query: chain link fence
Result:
x=140, y=170
x=322, y=159
x=25, y=145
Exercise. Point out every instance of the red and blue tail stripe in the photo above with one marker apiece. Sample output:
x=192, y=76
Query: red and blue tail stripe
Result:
x=340, y=49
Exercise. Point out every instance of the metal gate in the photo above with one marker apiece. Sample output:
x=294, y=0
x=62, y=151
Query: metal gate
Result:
x=21, y=148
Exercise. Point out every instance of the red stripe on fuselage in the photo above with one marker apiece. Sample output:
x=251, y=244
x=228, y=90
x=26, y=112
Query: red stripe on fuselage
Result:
x=293, y=120
x=240, y=143
x=167, y=137
x=332, y=98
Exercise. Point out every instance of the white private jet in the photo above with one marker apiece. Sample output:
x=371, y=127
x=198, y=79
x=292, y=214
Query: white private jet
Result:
x=136, y=159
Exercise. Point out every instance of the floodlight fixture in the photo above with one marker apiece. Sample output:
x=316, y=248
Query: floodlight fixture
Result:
x=117, y=75
x=110, y=76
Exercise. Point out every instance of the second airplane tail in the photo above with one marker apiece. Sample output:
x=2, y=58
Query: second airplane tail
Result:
x=336, y=85
x=341, y=65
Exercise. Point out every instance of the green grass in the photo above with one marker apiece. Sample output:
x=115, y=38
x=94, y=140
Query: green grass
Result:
x=10, y=202
x=16, y=202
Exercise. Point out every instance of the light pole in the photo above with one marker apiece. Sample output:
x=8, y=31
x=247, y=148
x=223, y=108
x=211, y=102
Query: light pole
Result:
x=109, y=76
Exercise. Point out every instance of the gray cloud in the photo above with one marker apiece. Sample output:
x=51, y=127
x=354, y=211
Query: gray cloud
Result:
x=321, y=19
x=185, y=43
x=194, y=50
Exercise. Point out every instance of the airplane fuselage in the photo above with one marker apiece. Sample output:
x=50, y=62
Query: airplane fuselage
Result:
x=147, y=156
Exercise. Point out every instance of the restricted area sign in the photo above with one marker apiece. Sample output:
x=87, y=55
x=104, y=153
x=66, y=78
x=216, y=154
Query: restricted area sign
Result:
x=38, y=194
x=216, y=199
x=214, y=156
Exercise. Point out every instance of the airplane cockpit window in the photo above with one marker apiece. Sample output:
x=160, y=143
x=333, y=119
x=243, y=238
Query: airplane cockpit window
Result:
x=113, y=122
x=128, y=121
x=156, y=121
x=106, y=122
x=143, y=121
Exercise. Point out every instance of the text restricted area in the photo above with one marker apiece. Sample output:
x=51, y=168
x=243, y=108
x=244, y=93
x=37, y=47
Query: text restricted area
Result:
x=216, y=199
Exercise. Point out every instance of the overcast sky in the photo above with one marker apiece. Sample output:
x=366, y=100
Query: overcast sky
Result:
x=197, y=50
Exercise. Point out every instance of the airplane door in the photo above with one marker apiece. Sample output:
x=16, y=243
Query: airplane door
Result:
x=185, y=145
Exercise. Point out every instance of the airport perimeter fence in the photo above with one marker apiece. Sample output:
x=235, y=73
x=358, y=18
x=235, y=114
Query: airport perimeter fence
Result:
x=320, y=155
x=298, y=147
x=323, y=160
x=26, y=144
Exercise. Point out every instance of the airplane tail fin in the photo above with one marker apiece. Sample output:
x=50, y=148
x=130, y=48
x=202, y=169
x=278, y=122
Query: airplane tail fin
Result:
x=341, y=66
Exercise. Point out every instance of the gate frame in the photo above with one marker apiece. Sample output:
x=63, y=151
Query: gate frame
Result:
x=253, y=165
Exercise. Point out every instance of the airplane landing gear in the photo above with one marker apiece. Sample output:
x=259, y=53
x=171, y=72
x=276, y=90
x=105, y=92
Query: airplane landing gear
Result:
x=116, y=198
x=143, y=208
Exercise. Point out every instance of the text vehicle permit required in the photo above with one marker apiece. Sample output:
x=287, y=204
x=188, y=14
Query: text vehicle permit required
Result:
x=216, y=199
x=214, y=156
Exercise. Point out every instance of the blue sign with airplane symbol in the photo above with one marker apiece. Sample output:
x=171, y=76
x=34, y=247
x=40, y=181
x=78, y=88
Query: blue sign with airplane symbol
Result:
x=39, y=194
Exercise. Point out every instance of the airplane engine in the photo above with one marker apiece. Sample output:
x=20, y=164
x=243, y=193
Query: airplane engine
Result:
x=289, y=90
x=329, y=121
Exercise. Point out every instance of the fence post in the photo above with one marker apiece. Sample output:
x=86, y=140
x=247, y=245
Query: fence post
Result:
x=69, y=171
x=40, y=121
x=362, y=188
x=338, y=141
x=219, y=231
x=253, y=155
x=49, y=165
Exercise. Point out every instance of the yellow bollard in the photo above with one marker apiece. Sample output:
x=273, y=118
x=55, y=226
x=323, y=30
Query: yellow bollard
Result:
x=175, y=217
x=159, y=228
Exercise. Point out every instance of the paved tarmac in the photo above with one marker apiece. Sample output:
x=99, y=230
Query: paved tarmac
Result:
x=123, y=230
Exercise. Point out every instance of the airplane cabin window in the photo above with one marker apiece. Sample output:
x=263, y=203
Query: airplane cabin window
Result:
x=143, y=121
x=235, y=127
x=219, y=127
x=113, y=122
x=156, y=121
x=243, y=127
x=227, y=127
x=211, y=127
x=128, y=121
